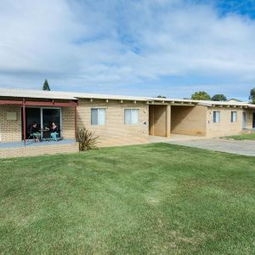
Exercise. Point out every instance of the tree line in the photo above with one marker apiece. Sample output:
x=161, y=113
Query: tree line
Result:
x=203, y=95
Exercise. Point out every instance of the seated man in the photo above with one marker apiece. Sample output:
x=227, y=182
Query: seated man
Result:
x=35, y=131
x=54, y=131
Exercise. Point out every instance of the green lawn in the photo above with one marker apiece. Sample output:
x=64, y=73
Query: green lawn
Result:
x=242, y=137
x=148, y=199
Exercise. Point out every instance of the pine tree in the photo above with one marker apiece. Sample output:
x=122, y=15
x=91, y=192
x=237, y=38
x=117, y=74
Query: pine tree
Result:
x=46, y=86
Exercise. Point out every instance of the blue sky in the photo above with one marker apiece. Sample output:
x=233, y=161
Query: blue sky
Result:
x=134, y=47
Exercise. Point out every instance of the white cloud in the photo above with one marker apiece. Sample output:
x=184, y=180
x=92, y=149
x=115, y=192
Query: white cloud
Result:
x=108, y=45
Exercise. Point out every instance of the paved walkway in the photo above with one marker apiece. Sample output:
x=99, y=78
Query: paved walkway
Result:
x=246, y=147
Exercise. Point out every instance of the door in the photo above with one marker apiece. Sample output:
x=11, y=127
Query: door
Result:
x=244, y=119
x=253, y=122
x=43, y=117
x=32, y=115
x=50, y=115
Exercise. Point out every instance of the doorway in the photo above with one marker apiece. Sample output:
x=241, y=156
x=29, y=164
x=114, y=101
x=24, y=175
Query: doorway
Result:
x=43, y=117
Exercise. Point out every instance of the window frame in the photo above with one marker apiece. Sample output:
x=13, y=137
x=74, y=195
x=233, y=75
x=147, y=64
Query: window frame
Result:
x=131, y=109
x=232, y=114
x=91, y=119
x=215, y=120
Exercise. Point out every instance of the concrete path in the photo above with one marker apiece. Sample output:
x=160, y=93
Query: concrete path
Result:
x=246, y=147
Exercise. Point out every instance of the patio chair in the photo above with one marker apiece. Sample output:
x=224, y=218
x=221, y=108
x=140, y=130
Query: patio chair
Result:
x=31, y=136
x=57, y=138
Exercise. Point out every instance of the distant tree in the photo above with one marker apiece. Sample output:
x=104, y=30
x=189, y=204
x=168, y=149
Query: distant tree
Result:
x=46, y=86
x=200, y=95
x=219, y=97
x=159, y=96
x=252, y=96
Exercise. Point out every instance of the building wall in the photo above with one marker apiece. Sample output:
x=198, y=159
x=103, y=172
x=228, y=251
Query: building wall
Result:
x=29, y=151
x=250, y=118
x=10, y=130
x=225, y=127
x=188, y=120
x=68, y=122
x=114, y=132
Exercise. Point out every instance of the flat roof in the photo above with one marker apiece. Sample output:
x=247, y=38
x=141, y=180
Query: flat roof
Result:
x=42, y=94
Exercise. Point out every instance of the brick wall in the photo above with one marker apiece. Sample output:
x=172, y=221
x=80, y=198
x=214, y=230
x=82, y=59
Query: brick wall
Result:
x=188, y=120
x=25, y=151
x=225, y=127
x=115, y=132
x=68, y=122
x=10, y=130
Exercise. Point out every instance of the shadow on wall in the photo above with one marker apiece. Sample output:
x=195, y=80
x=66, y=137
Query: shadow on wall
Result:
x=178, y=115
x=188, y=120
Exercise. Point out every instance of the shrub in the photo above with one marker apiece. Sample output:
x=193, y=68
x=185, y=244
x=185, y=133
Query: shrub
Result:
x=87, y=139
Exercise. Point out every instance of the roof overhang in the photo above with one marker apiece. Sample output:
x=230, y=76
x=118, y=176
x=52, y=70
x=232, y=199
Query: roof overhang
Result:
x=38, y=103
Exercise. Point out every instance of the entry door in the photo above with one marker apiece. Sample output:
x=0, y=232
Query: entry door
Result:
x=50, y=115
x=244, y=119
x=43, y=117
x=253, y=123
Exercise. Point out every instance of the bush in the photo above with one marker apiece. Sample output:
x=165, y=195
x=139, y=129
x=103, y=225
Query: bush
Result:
x=87, y=139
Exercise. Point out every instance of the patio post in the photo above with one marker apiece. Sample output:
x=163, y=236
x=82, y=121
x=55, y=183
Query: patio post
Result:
x=24, y=120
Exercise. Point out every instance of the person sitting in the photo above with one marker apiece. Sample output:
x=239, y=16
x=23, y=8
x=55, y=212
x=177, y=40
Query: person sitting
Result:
x=35, y=132
x=54, y=131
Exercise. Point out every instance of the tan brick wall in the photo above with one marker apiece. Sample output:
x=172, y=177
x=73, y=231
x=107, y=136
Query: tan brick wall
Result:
x=68, y=117
x=250, y=118
x=10, y=130
x=225, y=127
x=115, y=132
x=188, y=120
x=25, y=151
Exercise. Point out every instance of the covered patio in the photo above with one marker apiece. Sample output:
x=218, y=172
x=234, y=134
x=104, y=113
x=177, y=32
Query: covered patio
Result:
x=17, y=116
x=39, y=111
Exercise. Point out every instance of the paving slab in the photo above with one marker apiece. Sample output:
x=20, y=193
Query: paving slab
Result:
x=244, y=147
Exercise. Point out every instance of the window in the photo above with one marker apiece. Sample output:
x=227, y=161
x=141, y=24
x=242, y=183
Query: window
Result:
x=216, y=116
x=97, y=116
x=233, y=116
x=131, y=116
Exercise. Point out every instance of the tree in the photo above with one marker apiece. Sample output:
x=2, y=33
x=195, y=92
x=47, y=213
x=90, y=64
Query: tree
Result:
x=252, y=96
x=46, y=86
x=201, y=95
x=159, y=96
x=219, y=97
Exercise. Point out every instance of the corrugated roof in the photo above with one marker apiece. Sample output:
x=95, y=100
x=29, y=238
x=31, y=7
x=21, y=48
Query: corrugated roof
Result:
x=24, y=93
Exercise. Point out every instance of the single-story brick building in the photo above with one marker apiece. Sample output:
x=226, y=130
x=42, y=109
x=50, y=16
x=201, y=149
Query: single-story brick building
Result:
x=117, y=120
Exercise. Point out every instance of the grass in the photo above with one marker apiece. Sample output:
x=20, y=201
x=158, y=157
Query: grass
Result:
x=242, y=137
x=148, y=199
